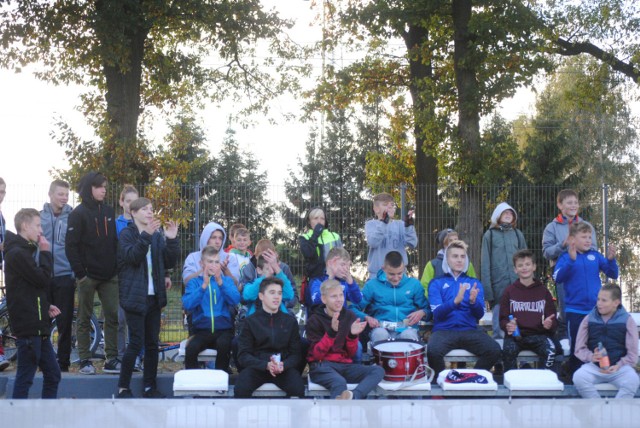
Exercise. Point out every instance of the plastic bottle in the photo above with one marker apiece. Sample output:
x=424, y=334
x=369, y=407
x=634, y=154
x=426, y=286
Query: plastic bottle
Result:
x=604, y=357
x=516, y=333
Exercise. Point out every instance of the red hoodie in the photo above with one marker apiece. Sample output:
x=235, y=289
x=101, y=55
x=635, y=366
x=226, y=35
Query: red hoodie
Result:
x=327, y=344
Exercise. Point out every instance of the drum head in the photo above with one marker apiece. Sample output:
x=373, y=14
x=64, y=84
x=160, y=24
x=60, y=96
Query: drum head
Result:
x=397, y=346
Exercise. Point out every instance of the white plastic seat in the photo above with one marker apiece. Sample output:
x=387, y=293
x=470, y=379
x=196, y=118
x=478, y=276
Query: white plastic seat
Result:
x=204, y=356
x=491, y=385
x=532, y=380
x=200, y=382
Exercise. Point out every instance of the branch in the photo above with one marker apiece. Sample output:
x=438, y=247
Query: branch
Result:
x=568, y=48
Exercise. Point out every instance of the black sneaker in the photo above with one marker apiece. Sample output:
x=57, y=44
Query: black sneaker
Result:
x=86, y=367
x=112, y=366
x=125, y=393
x=63, y=367
x=153, y=393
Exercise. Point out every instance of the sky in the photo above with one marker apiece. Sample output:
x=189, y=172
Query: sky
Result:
x=31, y=107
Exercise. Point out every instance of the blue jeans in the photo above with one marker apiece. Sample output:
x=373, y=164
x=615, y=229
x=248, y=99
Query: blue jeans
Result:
x=34, y=352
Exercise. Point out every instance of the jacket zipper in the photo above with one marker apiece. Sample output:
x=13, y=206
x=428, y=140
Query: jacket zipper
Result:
x=215, y=301
x=39, y=314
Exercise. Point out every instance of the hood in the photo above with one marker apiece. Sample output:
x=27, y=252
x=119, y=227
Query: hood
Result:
x=502, y=207
x=66, y=209
x=84, y=188
x=382, y=277
x=206, y=234
x=445, y=265
x=12, y=240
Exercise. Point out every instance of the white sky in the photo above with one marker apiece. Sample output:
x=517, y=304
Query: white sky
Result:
x=30, y=107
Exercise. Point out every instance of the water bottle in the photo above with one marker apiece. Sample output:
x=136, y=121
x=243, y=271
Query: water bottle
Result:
x=604, y=357
x=516, y=333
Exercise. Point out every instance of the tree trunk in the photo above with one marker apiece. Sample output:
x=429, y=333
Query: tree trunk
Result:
x=426, y=163
x=468, y=133
x=123, y=85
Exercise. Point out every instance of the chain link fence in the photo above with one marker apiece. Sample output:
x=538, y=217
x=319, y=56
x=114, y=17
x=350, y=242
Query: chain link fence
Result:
x=279, y=215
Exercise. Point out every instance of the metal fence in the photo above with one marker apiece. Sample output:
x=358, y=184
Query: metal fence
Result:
x=279, y=212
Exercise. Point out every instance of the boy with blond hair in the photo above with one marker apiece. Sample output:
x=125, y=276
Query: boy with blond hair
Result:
x=240, y=253
x=338, y=268
x=579, y=270
x=384, y=234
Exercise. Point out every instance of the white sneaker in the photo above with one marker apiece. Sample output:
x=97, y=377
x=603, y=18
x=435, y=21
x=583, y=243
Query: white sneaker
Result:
x=346, y=395
x=4, y=363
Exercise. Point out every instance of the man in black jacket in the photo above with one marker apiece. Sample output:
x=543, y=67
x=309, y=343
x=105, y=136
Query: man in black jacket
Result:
x=91, y=248
x=269, y=346
x=29, y=309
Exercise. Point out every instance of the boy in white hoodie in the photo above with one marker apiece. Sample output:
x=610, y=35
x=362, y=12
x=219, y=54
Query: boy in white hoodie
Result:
x=499, y=244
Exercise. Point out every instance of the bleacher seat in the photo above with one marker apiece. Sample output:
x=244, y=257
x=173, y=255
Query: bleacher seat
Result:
x=317, y=389
x=532, y=380
x=204, y=356
x=200, y=382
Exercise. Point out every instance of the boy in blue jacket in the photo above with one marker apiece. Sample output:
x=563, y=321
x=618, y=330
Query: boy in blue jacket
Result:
x=579, y=270
x=392, y=303
x=338, y=268
x=267, y=266
x=457, y=302
x=208, y=298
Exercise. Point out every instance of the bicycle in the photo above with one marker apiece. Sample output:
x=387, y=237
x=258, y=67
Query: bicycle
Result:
x=95, y=335
x=9, y=339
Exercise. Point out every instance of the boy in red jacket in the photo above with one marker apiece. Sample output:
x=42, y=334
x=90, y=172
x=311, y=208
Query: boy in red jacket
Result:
x=333, y=332
x=534, y=313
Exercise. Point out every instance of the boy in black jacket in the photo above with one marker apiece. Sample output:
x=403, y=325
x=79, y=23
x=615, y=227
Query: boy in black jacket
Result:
x=29, y=309
x=144, y=254
x=91, y=248
x=269, y=346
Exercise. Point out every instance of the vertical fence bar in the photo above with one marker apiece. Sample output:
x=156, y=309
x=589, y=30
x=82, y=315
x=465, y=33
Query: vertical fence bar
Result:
x=605, y=222
x=196, y=222
x=403, y=200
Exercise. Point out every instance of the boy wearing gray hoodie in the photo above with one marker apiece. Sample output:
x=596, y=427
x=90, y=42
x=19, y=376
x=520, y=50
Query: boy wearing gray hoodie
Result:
x=499, y=244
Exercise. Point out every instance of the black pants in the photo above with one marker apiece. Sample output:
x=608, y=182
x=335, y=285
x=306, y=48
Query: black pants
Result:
x=36, y=352
x=143, y=329
x=251, y=379
x=475, y=341
x=220, y=340
x=541, y=344
x=63, y=291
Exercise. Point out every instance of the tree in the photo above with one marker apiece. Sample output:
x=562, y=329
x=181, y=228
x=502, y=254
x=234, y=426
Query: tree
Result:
x=137, y=54
x=332, y=176
x=237, y=192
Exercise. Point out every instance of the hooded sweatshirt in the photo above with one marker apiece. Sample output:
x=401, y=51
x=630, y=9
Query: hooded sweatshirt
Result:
x=27, y=284
x=499, y=244
x=530, y=306
x=442, y=293
x=92, y=243
x=55, y=230
x=383, y=238
x=393, y=303
x=192, y=262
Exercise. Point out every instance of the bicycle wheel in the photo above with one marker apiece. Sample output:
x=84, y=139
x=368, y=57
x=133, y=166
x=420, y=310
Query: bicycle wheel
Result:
x=8, y=339
x=96, y=337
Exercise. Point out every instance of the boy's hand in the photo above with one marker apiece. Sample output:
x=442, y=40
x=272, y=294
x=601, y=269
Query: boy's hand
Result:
x=460, y=296
x=409, y=219
x=334, y=321
x=573, y=253
x=358, y=327
x=152, y=226
x=43, y=244
x=596, y=355
x=171, y=230
x=224, y=267
x=415, y=317
x=511, y=326
x=611, y=252
x=547, y=323
x=206, y=278
x=271, y=258
x=612, y=369
x=53, y=311
x=473, y=294
x=373, y=323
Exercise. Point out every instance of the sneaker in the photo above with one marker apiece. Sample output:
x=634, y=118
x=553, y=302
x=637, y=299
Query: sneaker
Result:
x=153, y=393
x=125, y=393
x=112, y=366
x=4, y=363
x=137, y=367
x=86, y=367
x=346, y=395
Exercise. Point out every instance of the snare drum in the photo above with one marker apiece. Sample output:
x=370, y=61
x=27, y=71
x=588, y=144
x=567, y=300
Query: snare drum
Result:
x=401, y=359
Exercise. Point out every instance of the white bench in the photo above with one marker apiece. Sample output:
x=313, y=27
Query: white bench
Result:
x=532, y=380
x=200, y=382
x=315, y=389
x=204, y=356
